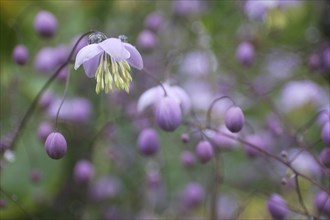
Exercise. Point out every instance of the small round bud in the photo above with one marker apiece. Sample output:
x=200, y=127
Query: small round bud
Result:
x=193, y=195
x=185, y=138
x=148, y=141
x=20, y=54
x=325, y=157
x=277, y=206
x=204, y=151
x=326, y=133
x=45, y=24
x=322, y=203
x=284, y=154
x=168, y=114
x=234, y=119
x=83, y=171
x=56, y=145
x=188, y=159
x=153, y=178
x=245, y=53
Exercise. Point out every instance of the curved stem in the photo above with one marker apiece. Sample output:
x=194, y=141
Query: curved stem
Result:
x=208, y=114
x=35, y=101
x=156, y=80
x=62, y=101
x=298, y=191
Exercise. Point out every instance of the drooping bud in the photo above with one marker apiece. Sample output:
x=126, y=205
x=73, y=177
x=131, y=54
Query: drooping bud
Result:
x=234, y=119
x=322, y=203
x=185, y=138
x=277, y=206
x=148, y=141
x=56, y=145
x=204, y=151
x=20, y=54
x=154, y=21
x=245, y=53
x=325, y=157
x=168, y=114
x=83, y=171
x=147, y=40
x=45, y=23
x=193, y=195
x=326, y=133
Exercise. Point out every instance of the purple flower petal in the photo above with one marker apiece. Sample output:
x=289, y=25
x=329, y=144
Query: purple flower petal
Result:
x=115, y=48
x=91, y=65
x=149, y=97
x=87, y=53
x=135, y=59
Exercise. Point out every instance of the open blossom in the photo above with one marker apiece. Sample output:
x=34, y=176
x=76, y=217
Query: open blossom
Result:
x=109, y=61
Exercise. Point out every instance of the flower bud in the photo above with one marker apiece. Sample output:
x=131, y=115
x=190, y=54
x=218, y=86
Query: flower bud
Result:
x=83, y=171
x=326, y=133
x=325, y=157
x=20, y=54
x=188, y=159
x=45, y=24
x=322, y=203
x=277, y=206
x=245, y=53
x=168, y=114
x=148, y=141
x=193, y=195
x=56, y=145
x=234, y=119
x=154, y=21
x=204, y=151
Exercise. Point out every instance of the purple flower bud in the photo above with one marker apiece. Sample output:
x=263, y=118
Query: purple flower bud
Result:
x=44, y=129
x=277, y=206
x=322, y=203
x=45, y=60
x=105, y=188
x=193, y=195
x=153, y=178
x=234, y=119
x=325, y=157
x=245, y=53
x=83, y=171
x=326, y=133
x=56, y=145
x=148, y=141
x=20, y=54
x=168, y=114
x=154, y=21
x=188, y=159
x=204, y=151
x=45, y=24
x=46, y=99
x=147, y=40
x=185, y=138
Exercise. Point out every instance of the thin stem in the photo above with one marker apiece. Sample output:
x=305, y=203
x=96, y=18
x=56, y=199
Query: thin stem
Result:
x=156, y=80
x=35, y=101
x=298, y=191
x=208, y=114
x=62, y=101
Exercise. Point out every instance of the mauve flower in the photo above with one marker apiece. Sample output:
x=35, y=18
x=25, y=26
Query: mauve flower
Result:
x=56, y=145
x=234, y=119
x=154, y=21
x=193, y=195
x=220, y=140
x=277, y=206
x=45, y=23
x=204, y=151
x=20, y=54
x=168, y=113
x=83, y=171
x=322, y=203
x=109, y=60
x=148, y=141
x=153, y=95
x=188, y=159
x=245, y=53
x=325, y=157
x=147, y=40
x=257, y=9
